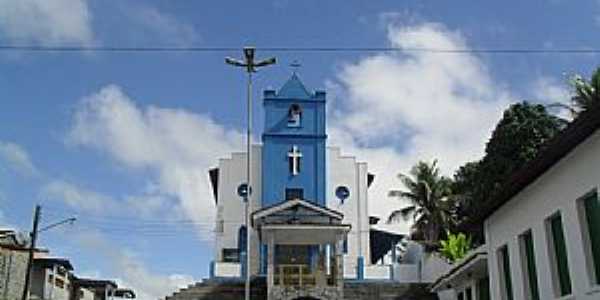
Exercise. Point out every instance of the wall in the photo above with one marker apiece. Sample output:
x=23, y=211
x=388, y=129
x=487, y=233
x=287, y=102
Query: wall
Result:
x=557, y=190
x=230, y=208
x=13, y=266
x=86, y=294
x=407, y=273
x=345, y=171
x=432, y=266
x=223, y=269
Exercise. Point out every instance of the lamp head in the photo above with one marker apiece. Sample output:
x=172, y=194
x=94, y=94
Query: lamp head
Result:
x=234, y=62
x=249, y=53
x=266, y=62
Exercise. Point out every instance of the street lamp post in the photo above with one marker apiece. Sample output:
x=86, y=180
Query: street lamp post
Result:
x=33, y=235
x=251, y=67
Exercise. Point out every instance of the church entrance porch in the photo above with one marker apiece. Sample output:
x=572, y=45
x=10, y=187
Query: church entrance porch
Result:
x=304, y=261
x=304, y=250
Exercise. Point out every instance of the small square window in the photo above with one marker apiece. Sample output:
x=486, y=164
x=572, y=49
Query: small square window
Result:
x=231, y=255
x=294, y=193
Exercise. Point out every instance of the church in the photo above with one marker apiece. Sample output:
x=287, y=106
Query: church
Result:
x=310, y=225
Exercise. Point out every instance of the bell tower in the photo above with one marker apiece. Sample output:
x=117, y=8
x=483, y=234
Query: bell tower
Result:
x=293, y=156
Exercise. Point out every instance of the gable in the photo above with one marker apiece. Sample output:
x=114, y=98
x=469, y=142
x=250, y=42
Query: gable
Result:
x=296, y=212
x=294, y=88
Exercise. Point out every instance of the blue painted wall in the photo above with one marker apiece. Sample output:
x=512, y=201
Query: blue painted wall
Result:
x=278, y=140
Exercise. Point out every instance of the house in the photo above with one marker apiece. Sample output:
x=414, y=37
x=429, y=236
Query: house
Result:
x=13, y=264
x=467, y=279
x=543, y=232
x=51, y=279
x=94, y=289
x=79, y=292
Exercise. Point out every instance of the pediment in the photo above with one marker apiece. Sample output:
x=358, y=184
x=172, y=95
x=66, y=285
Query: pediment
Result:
x=297, y=212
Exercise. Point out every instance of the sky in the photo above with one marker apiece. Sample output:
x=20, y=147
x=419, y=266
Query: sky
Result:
x=124, y=141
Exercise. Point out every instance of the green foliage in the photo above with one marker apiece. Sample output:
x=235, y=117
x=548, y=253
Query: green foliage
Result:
x=517, y=139
x=585, y=93
x=455, y=247
x=430, y=203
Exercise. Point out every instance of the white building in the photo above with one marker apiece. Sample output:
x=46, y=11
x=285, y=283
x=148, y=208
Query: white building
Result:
x=467, y=279
x=51, y=279
x=543, y=233
x=230, y=209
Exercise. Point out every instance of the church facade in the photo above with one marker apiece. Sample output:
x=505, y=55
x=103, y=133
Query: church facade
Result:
x=309, y=216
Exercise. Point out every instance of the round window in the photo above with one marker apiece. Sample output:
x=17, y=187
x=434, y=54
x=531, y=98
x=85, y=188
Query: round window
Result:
x=342, y=193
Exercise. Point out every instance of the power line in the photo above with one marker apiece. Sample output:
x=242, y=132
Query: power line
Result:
x=32, y=48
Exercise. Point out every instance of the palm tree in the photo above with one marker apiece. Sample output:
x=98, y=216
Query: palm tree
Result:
x=585, y=94
x=430, y=203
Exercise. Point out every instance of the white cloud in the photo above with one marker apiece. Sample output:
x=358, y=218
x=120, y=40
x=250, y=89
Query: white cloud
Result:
x=78, y=198
x=147, y=205
x=160, y=26
x=46, y=22
x=548, y=90
x=130, y=271
x=17, y=159
x=399, y=108
x=177, y=147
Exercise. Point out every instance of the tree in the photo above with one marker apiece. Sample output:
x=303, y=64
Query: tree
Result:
x=584, y=93
x=455, y=247
x=517, y=139
x=430, y=205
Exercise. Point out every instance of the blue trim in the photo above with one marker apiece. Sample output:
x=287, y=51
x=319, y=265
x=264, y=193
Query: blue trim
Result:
x=264, y=254
x=295, y=135
x=360, y=268
x=211, y=269
x=243, y=264
x=299, y=100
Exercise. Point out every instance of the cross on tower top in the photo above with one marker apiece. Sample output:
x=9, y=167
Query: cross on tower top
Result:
x=295, y=65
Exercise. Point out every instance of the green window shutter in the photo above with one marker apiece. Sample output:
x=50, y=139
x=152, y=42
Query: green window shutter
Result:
x=560, y=250
x=469, y=293
x=592, y=213
x=507, y=276
x=531, y=267
x=483, y=289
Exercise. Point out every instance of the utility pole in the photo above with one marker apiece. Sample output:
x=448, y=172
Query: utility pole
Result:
x=33, y=236
x=251, y=67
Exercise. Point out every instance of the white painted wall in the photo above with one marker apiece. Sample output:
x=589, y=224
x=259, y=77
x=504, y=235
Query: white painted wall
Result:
x=223, y=269
x=432, y=266
x=378, y=272
x=230, y=208
x=346, y=171
x=449, y=294
x=87, y=294
x=407, y=273
x=555, y=191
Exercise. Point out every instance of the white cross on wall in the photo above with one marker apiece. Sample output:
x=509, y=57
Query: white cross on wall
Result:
x=295, y=156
